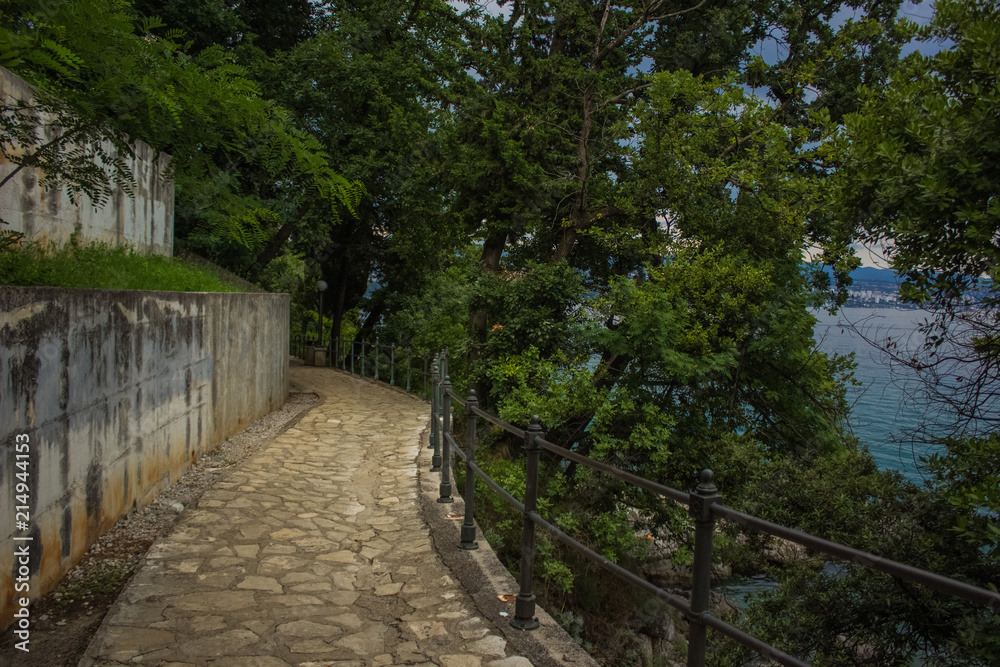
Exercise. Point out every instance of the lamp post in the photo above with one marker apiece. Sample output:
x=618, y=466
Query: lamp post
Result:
x=321, y=286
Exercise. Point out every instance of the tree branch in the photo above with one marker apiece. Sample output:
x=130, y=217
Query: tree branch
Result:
x=600, y=33
x=683, y=11
x=646, y=18
x=26, y=161
x=623, y=95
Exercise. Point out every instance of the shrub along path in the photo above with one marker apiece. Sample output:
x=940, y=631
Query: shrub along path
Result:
x=313, y=553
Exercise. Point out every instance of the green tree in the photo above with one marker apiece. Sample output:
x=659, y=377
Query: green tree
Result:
x=204, y=24
x=548, y=158
x=374, y=85
x=267, y=26
x=640, y=283
x=919, y=174
x=114, y=81
x=31, y=42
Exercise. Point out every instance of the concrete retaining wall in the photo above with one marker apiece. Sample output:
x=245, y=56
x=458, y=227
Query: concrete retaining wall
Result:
x=118, y=392
x=144, y=221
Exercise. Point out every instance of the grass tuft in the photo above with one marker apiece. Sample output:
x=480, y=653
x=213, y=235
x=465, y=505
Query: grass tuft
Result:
x=99, y=266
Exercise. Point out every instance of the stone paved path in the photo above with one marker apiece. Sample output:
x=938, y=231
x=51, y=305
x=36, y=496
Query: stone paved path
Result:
x=313, y=553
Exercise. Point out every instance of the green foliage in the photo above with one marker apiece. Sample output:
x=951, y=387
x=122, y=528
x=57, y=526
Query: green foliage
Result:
x=967, y=475
x=919, y=166
x=552, y=387
x=878, y=621
x=28, y=38
x=104, y=580
x=267, y=26
x=119, y=83
x=885, y=619
x=557, y=568
x=601, y=210
x=619, y=143
x=369, y=85
x=571, y=623
x=98, y=266
x=205, y=23
x=434, y=318
x=689, y=330
x=532, y=307
x=915, y=169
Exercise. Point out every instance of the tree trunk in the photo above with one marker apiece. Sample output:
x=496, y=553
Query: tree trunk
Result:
x=578, y=218
x=490, y=259
x=374, y=315
x=571, y=435
x=338, y=313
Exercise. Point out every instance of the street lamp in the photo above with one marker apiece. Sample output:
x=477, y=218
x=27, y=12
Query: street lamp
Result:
x=321, y=286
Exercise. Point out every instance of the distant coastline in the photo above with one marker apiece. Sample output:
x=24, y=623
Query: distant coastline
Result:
x=874, y=288
x=876, y=294
x=879, y=288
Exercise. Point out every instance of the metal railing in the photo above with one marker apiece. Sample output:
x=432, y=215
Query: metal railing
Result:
x=396, y=365
x=704, y=505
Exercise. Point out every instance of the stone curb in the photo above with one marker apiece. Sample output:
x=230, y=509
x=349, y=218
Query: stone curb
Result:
x=484, y=577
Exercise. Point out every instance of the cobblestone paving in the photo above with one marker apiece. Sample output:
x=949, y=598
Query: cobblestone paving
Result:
x=314, y=553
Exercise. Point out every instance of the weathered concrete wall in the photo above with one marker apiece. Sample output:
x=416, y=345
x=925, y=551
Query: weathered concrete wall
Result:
x=144, y=221
x=118, y=392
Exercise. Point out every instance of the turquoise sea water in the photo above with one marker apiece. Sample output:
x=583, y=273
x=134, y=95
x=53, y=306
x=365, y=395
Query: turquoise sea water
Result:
x=882, y=407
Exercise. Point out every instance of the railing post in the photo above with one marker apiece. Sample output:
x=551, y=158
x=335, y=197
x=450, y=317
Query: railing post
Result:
x=445, y=488
x=524, y=606
x=353, y=347
x=430, y=379
x=362, y=358
x=469, y=526
x=378, y=353
x=704, y=532
x=392, y=365
x=435, y=416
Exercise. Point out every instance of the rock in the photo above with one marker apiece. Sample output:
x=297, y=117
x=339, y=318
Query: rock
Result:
x=515, y=661
x=783, y=551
